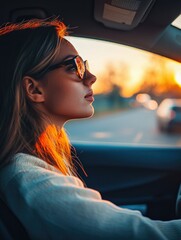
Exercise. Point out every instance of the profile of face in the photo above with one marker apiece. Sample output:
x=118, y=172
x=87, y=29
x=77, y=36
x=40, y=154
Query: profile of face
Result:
x=61, y=94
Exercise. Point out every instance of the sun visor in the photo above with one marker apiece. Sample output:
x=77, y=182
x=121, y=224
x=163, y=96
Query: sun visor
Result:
x=122, y=14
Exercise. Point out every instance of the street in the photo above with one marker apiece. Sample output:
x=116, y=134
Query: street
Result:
x=136, y=126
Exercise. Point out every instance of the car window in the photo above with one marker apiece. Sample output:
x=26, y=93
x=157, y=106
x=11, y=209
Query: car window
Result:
x=130, y=86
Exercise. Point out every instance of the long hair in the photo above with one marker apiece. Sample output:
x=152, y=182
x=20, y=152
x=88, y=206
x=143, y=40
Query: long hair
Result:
x=27, y=49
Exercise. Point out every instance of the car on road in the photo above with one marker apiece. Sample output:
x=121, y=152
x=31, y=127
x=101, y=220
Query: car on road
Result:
x=169, y=115
x=145, y=177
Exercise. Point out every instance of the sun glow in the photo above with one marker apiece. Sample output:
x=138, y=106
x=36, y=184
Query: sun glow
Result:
x=178, y=78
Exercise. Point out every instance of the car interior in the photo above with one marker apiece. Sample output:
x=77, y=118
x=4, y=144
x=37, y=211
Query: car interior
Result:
x=141, y=177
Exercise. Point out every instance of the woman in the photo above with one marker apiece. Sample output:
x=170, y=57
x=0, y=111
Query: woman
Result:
x=44, y=83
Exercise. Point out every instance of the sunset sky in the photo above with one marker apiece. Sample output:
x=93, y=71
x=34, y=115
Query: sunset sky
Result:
x=102, y=54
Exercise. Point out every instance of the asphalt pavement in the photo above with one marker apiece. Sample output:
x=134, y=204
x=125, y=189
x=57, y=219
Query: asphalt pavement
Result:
x=135, y=126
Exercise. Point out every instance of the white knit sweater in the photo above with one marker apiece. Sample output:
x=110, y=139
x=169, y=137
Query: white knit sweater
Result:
x=53, y=206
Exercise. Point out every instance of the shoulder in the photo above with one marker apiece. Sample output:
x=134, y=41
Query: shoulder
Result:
x=23, y=161
x=25, y=168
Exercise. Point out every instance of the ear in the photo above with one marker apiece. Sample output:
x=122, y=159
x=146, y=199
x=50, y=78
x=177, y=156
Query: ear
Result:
x=33, y=89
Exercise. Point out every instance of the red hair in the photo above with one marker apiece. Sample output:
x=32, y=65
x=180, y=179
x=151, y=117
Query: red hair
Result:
x=53, y=145
x=35, y=23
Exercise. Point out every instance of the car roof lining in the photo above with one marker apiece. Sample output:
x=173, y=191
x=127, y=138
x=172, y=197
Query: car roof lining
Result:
x=156, y=29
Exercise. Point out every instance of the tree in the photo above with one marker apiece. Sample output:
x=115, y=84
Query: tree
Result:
x=158, y=80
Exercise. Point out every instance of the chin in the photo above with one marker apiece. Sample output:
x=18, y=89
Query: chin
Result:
x=90, y=113
x=86, y=114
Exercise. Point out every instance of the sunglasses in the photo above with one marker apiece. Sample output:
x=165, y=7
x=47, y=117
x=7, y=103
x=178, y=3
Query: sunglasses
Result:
x=76, y=62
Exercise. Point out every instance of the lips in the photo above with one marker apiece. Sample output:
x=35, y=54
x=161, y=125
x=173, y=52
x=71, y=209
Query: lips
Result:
x=89, y=96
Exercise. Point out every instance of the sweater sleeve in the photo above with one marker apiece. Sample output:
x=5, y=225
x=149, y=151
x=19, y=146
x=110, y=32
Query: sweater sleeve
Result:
x=53, y=206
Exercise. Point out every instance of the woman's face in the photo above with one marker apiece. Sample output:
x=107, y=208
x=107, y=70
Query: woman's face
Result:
x=66, y=95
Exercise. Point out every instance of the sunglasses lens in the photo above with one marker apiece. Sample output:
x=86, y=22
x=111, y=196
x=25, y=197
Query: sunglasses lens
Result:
x=80, y=66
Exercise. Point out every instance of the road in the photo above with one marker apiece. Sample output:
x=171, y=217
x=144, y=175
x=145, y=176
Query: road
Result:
x=136, y=126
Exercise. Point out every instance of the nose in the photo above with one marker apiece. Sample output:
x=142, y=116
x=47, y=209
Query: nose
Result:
x=89, y=79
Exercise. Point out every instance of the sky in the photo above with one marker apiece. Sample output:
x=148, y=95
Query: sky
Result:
x=100, y=53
